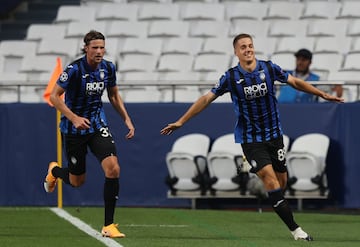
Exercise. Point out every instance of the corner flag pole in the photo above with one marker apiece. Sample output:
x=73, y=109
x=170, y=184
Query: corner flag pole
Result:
x=54, y=77
x=59, y=158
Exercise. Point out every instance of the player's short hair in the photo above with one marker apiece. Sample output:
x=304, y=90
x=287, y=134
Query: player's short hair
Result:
x=241, y=36
x=92, y=35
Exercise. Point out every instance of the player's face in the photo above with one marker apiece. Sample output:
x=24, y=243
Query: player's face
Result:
x=95, y=51
x=244, y=50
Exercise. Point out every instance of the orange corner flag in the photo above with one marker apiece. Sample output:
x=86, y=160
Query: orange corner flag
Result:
x=54, y=77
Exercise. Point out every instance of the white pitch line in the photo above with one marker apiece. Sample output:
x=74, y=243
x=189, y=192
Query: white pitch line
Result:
x=85, y=227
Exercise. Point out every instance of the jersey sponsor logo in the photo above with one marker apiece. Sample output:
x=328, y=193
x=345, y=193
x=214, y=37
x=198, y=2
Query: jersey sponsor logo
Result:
x=255, y=91
x=95, y=87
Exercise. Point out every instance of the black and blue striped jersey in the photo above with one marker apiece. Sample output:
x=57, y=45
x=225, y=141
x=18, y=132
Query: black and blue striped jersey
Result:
x=254, y=99
x=83, y=90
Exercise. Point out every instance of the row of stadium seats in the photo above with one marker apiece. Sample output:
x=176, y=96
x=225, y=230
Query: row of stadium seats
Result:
x=168, y=47
x=219, y=11
x=35, y=65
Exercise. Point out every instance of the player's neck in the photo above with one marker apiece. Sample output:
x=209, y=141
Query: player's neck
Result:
x=248, y=66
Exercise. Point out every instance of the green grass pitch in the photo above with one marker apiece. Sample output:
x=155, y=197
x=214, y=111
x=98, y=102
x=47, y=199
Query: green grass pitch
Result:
x=156, y=227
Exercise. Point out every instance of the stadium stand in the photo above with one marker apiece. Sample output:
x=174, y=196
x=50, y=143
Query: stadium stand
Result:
x=184, y=27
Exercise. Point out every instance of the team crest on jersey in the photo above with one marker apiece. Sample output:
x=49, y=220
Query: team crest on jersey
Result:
x=102, y=74
x=262, y=75
x=64, y=76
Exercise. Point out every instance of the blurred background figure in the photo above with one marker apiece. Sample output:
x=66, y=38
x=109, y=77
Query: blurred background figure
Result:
x=302, y=70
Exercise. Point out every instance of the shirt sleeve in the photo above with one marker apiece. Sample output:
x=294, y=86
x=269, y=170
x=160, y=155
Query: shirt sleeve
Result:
x=112, y=76
x=221, y=86
x=67, y=76
x=279, y=74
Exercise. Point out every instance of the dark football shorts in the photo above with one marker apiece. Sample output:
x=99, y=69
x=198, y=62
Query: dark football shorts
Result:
x=101, y=144
x=261, y=154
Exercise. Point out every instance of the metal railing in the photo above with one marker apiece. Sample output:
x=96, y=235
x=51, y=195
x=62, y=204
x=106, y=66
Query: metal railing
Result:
x=18, y=93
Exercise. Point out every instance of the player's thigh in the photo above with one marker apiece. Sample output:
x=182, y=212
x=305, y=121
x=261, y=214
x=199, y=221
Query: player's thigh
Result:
x=76, y=149
x=103, y=147
x=278, y=155
x=257, y=155
x=102, y=144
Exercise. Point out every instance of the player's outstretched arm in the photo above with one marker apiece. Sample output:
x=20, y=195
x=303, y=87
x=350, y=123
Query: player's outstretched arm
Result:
x=304, y=86
x=194, y=109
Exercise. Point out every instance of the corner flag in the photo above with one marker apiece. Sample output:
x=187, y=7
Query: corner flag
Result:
x=54, y=77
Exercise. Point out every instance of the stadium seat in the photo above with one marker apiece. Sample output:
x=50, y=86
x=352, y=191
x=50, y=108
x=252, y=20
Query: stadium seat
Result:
x=306, y=162
x=353, y=28
x=12, y=78
x=186, y=46
x=168, y=29
x=202, y=11
x=355, y=47
x=218, y=46
x=127, y=29
x=245, y=10
x=122, y=12
x=258, y=29
x=12, y=53
x=77, y=30
x=39, y=31
x=285, y=60
x=137, y=63
x=180, y=76
x=99, y=3
x=264, y=47
x=351, y=62
x=224, y=160
x=32, y=94
x=291, y=28
x=175, y=63
x=292, y=44
x=186, y=163
x=156, y=11
x=9, y=94
x=142, y=77
x=326, y=62
x=70, y=13
x=327, y=28
x=321, y=10
x=212, y=62
x=33, y=65
x=186, y=94
x=112, y=48
x=349, y=10
x=181, y=86
x=67, y=49
x=142, y=46
x=284, y=11
x=337, y=45
x=209, y=29
x=139, y=94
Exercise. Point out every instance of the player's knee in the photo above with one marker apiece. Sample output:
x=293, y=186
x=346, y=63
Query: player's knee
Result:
x=112, y=171
x=77, y=182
